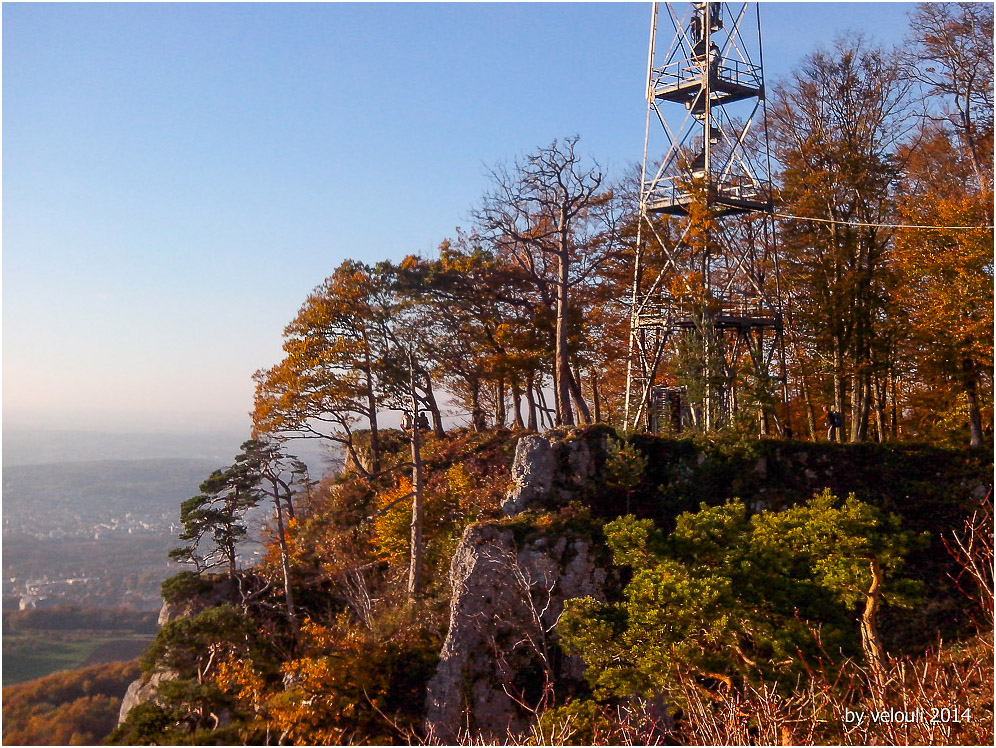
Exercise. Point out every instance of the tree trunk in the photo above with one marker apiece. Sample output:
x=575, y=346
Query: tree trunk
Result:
x=517, y=421
x=575, y=386
x=544, y=409
x=967, y=132
x=763, y=425
x=856, y=392
x=895, y=405
x=810, y=408
x=880, y=425
x=372, y=415
x=475, y=404
x=594, y=396
x=500, y=414
x=561, y=368
x=284, y=558
x=354, y=456
x=859, y=428
x=437, y=417
x=289, y=501
x=970, y=386
x=531, y=422
x=417, y=549
x=869, y=629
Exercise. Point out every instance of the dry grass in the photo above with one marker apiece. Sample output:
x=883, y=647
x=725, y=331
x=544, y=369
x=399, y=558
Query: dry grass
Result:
x=916, y=707
x=944, y=697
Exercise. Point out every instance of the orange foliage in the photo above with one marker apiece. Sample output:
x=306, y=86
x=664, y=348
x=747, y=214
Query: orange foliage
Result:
x=77, y=707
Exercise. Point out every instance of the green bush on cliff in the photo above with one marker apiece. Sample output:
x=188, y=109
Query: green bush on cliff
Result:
x=729, y=596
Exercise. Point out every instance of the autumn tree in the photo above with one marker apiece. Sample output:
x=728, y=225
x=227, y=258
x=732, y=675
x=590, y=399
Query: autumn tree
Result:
x=73, y=707
x=410, y=344
x=410, y=333
x=549, y=214
x=951, y=54
x=837, y=125
x=946, y=286
x=488, y=332
x=327, y=381
x=946, y=270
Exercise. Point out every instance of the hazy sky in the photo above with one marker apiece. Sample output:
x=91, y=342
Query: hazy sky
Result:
x=178, y=177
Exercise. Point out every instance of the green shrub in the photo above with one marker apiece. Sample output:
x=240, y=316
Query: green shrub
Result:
x=183, y=586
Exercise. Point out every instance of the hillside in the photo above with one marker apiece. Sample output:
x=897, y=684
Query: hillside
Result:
x=528, y=560
x=78, y=707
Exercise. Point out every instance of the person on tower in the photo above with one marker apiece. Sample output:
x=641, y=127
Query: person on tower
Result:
x=696, y=27
x=713, y=59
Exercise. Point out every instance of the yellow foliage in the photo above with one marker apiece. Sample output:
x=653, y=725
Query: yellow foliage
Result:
x=333, y=691
x=392, y=529
x=460, y=485
x=236, y=677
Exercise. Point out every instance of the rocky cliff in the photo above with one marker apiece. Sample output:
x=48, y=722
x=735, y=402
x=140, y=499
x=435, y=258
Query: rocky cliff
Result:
x=213, y=591
x=554, y=469
x=500, y=662
x=509, y=579
x=500, y=659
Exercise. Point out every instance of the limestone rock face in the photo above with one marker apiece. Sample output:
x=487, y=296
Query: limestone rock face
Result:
x=549, y=470
x=507, y=597
x=220, y=592
x=578, y=459
x=141, y=691
x=532, y=474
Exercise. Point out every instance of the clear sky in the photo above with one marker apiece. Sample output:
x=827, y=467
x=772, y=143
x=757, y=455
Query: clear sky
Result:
x=178, y=177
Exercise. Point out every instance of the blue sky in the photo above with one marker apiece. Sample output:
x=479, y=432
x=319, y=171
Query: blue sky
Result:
x=178, y=177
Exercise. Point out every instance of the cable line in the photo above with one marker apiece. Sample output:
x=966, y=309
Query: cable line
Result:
x=884, y=225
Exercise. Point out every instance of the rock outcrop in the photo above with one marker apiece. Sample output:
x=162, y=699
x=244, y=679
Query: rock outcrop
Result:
x=142, y=691
x=508, y=592
x=217, y=591
x=553, y=469
x=532, y=474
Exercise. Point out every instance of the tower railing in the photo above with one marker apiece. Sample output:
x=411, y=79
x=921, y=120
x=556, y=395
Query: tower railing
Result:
x=715, y=154
x=670, y=195
x=680, y=76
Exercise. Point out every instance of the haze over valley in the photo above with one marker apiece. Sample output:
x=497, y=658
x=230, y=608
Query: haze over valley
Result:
x=89, y=517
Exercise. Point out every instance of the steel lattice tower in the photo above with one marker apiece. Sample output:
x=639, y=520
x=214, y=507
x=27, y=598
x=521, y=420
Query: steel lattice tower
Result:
x=705, y=284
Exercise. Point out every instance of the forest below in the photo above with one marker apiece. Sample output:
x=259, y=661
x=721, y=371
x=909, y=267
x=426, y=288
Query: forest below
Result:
x=550, y=573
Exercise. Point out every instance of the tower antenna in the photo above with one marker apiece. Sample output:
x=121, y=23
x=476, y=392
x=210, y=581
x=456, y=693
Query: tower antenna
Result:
x=706, y=329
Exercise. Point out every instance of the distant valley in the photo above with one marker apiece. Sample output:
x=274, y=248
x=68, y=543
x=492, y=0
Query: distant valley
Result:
x=93, y=532
x=37, y=446
x=23, y=446
x=88, y=517
x=98, y=499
